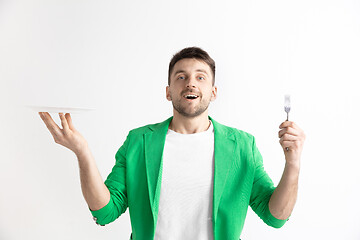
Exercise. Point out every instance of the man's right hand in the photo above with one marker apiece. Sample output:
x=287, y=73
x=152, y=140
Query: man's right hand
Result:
x=68, y=136
x=94, y=190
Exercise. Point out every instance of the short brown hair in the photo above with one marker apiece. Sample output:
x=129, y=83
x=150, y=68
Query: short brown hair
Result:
x=192, y=52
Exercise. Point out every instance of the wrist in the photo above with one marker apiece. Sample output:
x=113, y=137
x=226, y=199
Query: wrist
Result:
x=293, y=165
x=80, y=147
x=292, y=169
x=83, y=152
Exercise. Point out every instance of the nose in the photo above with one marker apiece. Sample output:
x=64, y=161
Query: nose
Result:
x=191, y=82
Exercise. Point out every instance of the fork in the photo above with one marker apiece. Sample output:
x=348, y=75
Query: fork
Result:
x=287, y=108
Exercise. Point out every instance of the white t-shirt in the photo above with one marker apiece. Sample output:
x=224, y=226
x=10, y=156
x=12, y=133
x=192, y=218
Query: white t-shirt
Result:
x=186, y=195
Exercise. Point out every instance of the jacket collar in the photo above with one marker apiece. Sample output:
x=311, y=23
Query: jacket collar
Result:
x=224, y=146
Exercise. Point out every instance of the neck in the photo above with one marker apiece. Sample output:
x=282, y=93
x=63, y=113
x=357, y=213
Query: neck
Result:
x=187, y=125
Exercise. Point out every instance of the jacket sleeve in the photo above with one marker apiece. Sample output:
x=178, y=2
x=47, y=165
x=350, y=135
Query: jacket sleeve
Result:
x=262, y=189
x=116, y=183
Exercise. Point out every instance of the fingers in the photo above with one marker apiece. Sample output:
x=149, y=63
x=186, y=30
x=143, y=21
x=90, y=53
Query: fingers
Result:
x=288, y=124
x=288, y=140
x=64, y=122
x=292, y=145
x=289, y=131
x=49, y=122
x=290, y=128
x=291, y=135
x=51, y=125
x=287, y=144
x=69, y=121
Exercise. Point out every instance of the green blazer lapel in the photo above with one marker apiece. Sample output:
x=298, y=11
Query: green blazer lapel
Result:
x=224, y=147
x=154, y=147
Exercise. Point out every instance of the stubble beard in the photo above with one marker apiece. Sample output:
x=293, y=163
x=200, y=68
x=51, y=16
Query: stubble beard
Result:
x=183, y=110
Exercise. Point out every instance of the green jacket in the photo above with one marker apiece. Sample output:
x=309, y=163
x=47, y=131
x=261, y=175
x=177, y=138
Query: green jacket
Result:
x=239, y=181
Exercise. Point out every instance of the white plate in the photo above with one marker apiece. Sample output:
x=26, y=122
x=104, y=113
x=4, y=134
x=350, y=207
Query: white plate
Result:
x=59, y=109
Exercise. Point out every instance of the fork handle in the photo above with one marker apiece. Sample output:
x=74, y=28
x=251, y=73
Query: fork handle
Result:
x=287, y=119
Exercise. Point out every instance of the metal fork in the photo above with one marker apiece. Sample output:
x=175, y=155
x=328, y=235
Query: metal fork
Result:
x=287, y=108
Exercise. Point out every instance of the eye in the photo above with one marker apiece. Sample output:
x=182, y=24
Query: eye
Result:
x=201, y=78
x=181, y=77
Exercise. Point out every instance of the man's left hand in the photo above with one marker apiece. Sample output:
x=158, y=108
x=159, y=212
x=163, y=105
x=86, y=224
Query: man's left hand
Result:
x=291, y=137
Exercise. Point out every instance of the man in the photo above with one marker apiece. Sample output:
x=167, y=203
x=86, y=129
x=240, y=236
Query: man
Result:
x=188, y=177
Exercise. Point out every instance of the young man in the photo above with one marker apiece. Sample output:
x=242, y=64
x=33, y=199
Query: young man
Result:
x=188, y=177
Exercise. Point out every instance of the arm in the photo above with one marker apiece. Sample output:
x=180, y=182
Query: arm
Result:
x=108, y=200
x=262, y=190
x=283, y=199
x=94, y=190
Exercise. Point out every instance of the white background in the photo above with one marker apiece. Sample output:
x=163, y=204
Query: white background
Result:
x=113, y=56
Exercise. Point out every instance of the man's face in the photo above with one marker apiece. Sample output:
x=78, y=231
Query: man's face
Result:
x=191, y=87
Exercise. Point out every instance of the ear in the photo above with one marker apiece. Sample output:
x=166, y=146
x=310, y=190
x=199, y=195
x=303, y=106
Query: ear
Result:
x=213, y=93
x=168, y=96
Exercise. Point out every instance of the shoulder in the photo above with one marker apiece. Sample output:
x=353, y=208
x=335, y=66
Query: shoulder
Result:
x=238, y=133
x=140, y=131
x=243, y=140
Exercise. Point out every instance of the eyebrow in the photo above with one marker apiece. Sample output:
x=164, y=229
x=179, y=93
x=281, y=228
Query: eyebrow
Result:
x=197, y=70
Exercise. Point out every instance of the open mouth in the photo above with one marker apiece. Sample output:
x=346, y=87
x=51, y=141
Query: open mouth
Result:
x=191, y=96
